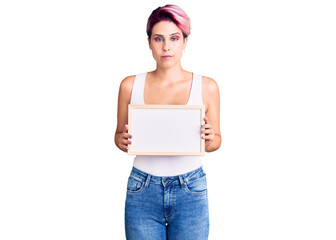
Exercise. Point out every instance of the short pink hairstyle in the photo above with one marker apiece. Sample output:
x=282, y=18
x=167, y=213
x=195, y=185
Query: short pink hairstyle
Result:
x=171, y=13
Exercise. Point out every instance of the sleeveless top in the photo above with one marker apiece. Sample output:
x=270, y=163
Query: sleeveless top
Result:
x=166, y=165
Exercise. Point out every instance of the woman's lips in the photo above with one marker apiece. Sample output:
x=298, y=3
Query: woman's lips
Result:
x=166, y=56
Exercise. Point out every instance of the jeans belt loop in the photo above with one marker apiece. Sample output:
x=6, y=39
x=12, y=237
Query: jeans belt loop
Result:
x=147, y=180
x=181, y=181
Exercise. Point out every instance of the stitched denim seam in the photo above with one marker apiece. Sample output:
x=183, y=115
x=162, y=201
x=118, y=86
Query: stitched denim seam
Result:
x=195, y=178
x=136, y=178
x=139, y=190
x=171, y=213
x=195, y=193
x=164, y=204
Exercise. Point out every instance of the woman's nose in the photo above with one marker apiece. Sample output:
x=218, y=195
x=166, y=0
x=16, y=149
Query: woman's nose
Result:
x=166, y=46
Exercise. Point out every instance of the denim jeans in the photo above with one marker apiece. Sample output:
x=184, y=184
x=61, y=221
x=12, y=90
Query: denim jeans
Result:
x=167, y=208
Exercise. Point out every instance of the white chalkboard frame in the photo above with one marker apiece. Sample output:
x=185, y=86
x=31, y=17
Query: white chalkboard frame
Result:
x=166, y=117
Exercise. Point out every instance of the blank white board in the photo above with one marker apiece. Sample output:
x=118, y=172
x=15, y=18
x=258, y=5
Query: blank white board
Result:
x=165, y=129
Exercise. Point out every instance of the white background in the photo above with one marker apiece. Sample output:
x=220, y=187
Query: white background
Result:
x=61, y=63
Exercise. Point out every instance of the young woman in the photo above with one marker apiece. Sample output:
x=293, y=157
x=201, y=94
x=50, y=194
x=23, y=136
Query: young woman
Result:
x=167, y=195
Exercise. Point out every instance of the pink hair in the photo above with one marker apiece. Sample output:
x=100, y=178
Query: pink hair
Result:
x=169, y=13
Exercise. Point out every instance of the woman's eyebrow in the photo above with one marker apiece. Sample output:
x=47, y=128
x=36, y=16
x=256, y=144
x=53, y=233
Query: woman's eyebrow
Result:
x=160, y=35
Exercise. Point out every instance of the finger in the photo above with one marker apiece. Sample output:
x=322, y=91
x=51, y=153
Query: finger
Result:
x=126, y=141
x=208, y=136
x=125, y=147
x=205, y=120
x=206, y=126
x=205, y=136
x=127, y=136
x=206, y=131
x=124, y=144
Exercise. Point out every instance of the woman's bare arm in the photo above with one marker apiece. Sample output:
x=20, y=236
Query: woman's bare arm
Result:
x=211, y=99
x=125, y=91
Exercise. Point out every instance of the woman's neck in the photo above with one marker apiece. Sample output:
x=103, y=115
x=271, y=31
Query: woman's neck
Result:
x=169, y=74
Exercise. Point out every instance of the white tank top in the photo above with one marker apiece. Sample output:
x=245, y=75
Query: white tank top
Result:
x=167, y=165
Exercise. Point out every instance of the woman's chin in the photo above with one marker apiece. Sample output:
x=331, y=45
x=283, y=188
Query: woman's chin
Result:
x=167, y=64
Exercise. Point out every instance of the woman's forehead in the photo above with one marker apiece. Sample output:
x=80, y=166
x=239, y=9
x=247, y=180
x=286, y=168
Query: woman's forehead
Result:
x=166, y=28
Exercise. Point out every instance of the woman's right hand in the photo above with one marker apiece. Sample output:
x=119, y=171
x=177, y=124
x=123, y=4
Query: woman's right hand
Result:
x=124, y=139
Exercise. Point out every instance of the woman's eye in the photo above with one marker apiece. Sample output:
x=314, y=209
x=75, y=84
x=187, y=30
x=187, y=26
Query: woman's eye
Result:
x=158, y=39
x=175, y=38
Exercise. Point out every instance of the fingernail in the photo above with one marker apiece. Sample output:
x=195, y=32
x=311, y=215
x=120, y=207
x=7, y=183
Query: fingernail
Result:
x=202, y=125
x=129, y=142
x=202, y=131
x=130, y=136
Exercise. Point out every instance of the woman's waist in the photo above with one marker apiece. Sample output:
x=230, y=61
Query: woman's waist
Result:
x=167, y=165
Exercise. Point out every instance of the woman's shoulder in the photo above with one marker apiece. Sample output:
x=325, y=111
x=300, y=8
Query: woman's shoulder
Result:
x=128, y=80
x=126, y=84
x=209, y=84
x=126, y=87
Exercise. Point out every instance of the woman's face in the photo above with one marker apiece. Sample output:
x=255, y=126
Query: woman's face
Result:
x=167, y=43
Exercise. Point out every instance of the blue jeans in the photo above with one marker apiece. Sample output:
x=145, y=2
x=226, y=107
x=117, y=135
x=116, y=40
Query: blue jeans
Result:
x=167, y=208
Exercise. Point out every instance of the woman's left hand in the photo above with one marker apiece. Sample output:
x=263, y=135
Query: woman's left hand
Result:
x=207, y=132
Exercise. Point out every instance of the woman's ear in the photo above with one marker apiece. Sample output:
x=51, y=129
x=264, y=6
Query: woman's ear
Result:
x=185, y=42
x=149, y=43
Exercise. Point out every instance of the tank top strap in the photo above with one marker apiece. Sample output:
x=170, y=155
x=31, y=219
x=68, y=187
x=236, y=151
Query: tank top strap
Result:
x=195, y=97
x=138, y=89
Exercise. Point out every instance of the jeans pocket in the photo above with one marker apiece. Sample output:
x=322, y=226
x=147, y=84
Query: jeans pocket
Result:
x=197, y=186
x=134, y=185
